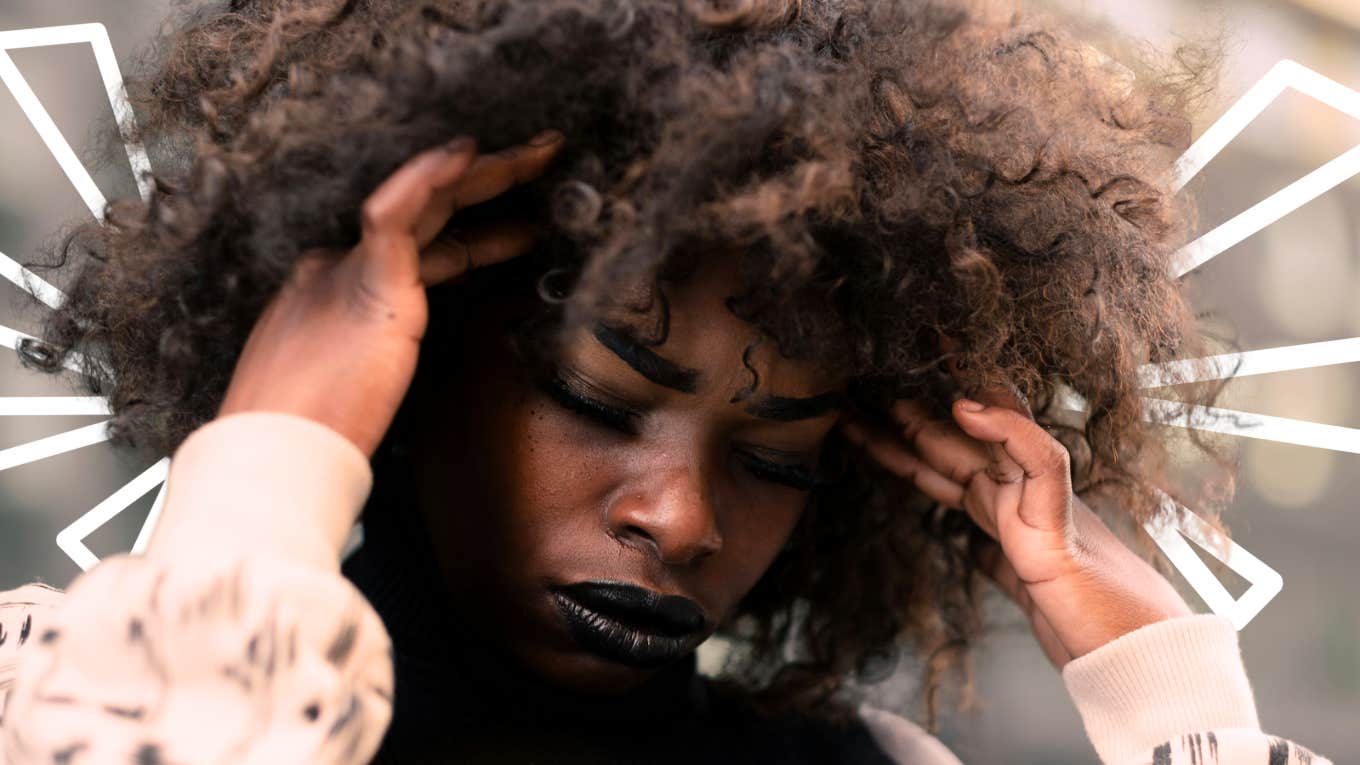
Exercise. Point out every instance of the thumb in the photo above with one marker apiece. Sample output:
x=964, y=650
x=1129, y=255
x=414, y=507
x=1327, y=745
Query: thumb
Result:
x=1023, y=451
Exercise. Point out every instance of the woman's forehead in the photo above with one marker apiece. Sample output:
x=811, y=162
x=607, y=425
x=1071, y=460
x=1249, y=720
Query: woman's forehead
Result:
x=704, y=341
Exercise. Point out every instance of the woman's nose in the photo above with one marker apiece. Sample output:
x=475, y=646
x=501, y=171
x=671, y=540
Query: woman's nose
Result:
x=672, y=517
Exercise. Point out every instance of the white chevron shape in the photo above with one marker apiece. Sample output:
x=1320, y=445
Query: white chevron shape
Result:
x=1266, y=583
x=71, y=539
x=98, y=39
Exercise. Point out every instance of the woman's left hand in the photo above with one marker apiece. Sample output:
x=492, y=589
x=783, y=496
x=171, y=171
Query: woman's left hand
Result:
x=1080, y=586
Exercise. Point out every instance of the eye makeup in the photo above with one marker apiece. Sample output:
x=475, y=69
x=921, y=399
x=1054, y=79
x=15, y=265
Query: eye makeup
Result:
x=566, y=389
x=794, y=476
x=566, y=392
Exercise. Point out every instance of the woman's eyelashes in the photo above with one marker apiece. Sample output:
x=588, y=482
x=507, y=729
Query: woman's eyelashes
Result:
x=618, y=418
x=626, y=420
x=794, y=476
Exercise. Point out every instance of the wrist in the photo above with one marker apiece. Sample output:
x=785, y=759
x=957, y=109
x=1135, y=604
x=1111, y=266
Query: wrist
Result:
x=1112, y=591
x=1159, y=682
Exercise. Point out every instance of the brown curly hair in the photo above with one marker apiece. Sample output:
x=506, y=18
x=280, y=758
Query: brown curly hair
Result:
x=890, y=172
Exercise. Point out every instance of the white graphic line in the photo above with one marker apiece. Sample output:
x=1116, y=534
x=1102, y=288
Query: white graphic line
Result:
x=1285, y=74
x=1287, y=358
x=30, y=282
x=51, y=446
x=149, y=525
x=51, y=135
x=37, y=37
x=107, y=62
x=1250, y=425
x=72, y=538
x=1266, y=582
x=44, y=406
x=1268, y=210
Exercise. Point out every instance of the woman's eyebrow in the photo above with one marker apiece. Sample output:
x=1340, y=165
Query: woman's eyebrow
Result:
x=786, y=409
x=647, y=363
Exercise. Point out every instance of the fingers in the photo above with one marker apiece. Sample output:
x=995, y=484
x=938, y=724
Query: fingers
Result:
x=389, y=215
x=894, y=454
x=940, y=443
x=405, y=214
x=489, y=176
x=1023, y=451
x=450, y=257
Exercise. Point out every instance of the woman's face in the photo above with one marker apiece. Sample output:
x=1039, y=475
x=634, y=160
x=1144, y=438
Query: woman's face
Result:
x=601, y=524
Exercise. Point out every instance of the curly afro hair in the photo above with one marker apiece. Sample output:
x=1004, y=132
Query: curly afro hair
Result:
x=890, y=172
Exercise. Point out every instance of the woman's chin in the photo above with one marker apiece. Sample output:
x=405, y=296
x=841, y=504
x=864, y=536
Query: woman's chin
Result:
x=580, y=671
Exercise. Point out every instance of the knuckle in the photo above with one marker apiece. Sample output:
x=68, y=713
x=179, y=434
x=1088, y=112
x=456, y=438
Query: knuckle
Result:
x=373, y=214
x=963, y=474
x=927, y=431
x=1055, y=455
x=1005, y=473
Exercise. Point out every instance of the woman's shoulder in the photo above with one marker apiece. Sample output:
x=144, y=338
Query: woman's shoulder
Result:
x=902, y=740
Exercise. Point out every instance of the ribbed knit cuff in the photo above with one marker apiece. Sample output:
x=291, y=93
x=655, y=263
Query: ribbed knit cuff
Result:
x=1158, y=682
x=269, y=483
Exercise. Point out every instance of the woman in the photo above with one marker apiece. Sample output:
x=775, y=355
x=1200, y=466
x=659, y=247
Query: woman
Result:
x=749, y=326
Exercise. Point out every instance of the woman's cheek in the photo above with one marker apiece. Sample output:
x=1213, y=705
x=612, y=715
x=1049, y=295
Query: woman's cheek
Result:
x=565, y=466
x=757, y=520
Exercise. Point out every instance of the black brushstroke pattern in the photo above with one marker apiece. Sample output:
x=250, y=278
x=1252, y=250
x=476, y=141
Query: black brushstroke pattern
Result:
x=1279, y=751
x=148, y=753
x=130, y=713
x=64, y=756
x=343, y=643
x=344, y=718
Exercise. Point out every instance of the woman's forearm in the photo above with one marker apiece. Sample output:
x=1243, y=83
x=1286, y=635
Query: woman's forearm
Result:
x=235, y=638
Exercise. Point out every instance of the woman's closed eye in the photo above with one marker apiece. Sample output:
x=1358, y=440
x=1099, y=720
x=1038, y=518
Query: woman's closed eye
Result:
x=614, y=416
x=563, y=389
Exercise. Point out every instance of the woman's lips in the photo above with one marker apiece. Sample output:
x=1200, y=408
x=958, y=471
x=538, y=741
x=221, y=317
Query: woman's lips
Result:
x=630, y=625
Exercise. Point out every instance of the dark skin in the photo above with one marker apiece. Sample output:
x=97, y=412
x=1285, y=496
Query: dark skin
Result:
x=521, y=492
x=685, y=496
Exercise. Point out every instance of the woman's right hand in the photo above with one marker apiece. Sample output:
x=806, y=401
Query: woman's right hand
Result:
x=338, y=344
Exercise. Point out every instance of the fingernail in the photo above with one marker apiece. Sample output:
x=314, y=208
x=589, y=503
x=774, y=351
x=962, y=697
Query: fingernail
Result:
x=546, y=138
x=968, y=405
x=460, y=145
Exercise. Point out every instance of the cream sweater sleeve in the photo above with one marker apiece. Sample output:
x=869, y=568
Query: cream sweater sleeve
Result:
x=234, y=639
x=1175, y=693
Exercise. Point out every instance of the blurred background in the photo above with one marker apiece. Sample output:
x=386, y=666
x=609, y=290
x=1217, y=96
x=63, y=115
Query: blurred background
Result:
x=1297, y=281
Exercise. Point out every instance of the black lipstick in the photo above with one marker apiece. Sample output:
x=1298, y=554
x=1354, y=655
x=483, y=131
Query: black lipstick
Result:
x=630, y=625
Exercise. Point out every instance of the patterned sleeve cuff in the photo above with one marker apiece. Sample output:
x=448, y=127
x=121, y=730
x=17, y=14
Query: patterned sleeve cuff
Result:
x=1230, y=746
x=1159, y=682
x=251, y=660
